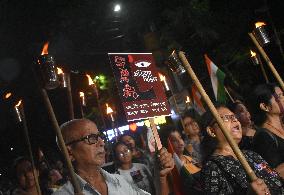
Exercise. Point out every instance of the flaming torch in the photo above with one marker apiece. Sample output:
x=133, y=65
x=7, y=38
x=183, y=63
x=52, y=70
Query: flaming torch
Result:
x=109, y=112
x=187, y=102
x=257, y=61
x=93, y=85
x=82, y=98
x=254, y=58
x=175, y=64
x=48, y=69
x=214, y=112
x=7, y=95
x=261, y=33
x=64, y=80
x=82, y=102
x=163, y=79
x=18, y=111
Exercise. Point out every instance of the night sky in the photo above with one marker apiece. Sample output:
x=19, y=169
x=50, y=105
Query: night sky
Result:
x=82, y=32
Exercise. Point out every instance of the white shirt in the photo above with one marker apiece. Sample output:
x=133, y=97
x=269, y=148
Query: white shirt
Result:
x=139, y=175
x=116, y=185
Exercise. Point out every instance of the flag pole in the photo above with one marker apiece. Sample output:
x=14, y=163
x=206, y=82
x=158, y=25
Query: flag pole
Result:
x=268, y=61
x=213, y=110
x=231, y=98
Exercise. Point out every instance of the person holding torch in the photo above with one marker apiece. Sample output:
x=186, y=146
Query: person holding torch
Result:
x=86, y=150
x=222, y=173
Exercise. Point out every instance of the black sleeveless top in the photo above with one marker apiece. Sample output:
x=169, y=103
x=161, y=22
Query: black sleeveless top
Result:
x=269, y=146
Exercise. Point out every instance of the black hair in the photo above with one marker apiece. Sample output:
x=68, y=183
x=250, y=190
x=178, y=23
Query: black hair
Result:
x=261, y=94
x=114, y=152
x=192, y=114
x=209, y=144
x=165, y=132
x=233, y=105
x=15, y=164
x=126, y=134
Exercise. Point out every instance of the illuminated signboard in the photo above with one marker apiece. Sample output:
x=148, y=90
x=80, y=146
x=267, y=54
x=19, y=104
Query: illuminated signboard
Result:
x=140, y=89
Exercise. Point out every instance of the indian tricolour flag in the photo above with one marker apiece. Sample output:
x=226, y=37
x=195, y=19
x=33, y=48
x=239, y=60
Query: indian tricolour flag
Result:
x=217, y=80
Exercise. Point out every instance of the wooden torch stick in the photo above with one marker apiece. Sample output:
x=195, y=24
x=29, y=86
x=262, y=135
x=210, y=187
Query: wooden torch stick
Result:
x=61, y=142
x=30, y=150
x=269, y=63
x=155, y=134
x=213, y=110
x=263, y=70
x=69, y=97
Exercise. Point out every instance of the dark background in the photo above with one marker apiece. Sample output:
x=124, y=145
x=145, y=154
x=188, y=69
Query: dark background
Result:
x=82, y=32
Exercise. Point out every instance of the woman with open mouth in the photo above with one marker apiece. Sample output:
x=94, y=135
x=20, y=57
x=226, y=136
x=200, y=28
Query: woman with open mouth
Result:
x=222, y=173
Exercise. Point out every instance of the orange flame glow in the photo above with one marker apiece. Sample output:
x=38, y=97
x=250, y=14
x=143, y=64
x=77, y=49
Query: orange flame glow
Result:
x=7, y=95
x=187, y=100
x=91, y=82
x=162, y=77
x=253, y=54
x=18, y=104
x=259, y=24
x=45, y=49
x=82, y=94
x=59, y=71
x=109, y=109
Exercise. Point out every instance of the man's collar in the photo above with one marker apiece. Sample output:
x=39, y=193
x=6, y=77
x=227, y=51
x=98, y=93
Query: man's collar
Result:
x=109, y=178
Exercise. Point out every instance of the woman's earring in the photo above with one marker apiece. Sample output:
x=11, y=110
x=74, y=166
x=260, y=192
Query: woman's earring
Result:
x=209, y=131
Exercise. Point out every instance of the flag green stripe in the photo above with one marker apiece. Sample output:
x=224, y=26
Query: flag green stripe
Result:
x=221, y=95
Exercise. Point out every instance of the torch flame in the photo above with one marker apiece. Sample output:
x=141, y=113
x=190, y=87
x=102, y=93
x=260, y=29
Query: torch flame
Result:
x=18, y=104
x=187, y=99
x=8, y=95
x=259, y=24
x=109, y=109
x=82, y=94
x=91, y=82
x=162, y=77
x=45, y=49
x=59, y=71
x=252, y=53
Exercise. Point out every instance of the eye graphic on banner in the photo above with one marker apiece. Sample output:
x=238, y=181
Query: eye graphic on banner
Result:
x=142, y=64
x=139, y=88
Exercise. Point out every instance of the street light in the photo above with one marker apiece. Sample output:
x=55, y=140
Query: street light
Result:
x=117, y=8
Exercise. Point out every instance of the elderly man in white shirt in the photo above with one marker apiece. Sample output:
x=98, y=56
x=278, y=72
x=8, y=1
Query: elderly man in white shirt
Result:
x=86, y=151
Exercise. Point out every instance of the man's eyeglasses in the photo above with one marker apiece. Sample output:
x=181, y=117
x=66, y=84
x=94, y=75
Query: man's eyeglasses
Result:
x=89, y=139
x=124, y=153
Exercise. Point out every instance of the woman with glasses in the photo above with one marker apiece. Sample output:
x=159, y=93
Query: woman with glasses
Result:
x=136, y=174
x=221, y=172
x=266, y=106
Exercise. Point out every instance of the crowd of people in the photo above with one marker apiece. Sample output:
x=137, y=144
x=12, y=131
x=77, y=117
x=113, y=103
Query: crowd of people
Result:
x=196, y=159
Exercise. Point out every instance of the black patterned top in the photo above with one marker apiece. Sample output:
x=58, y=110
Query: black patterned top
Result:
x=224, y=175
